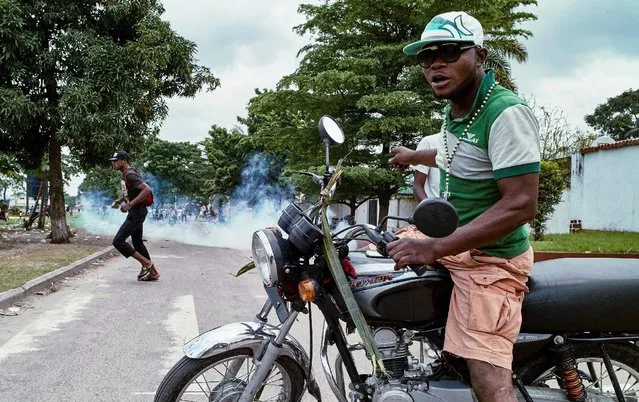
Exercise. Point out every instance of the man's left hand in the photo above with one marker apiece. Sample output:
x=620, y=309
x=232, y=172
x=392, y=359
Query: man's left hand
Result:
x=126, y=207
x=412, y=251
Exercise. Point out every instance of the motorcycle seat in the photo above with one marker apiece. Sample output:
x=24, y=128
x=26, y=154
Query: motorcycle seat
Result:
x=583, y=294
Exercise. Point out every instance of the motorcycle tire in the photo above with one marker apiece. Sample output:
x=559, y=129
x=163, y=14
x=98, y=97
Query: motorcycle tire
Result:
x=186, y=369
x=620, y=353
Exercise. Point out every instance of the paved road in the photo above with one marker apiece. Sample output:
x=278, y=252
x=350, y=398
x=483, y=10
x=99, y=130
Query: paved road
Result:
x=103, y=336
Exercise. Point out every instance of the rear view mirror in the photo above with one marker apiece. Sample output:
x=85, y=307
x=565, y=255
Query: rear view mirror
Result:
x=436, y=217
x=330, y=131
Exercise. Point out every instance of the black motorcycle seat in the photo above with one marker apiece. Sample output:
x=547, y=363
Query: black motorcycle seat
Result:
x=583, y=294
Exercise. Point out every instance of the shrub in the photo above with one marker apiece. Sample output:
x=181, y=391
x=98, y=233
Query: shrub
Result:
x=551, y=184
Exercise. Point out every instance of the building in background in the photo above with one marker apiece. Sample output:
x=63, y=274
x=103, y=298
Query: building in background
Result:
x=604, y=190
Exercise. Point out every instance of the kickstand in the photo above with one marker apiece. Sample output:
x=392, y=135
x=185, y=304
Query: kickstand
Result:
x=522, y=388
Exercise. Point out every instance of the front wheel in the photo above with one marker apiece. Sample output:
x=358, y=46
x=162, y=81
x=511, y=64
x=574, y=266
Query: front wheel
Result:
x=592, y=370
x=222, y=378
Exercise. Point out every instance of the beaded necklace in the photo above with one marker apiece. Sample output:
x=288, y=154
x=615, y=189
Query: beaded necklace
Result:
x=449, y=156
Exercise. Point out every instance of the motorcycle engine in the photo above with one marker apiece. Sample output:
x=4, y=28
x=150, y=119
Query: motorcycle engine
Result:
x=393, y=350
x=405, y=377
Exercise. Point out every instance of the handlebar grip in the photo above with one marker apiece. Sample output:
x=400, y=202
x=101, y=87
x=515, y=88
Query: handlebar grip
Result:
x=418, y=269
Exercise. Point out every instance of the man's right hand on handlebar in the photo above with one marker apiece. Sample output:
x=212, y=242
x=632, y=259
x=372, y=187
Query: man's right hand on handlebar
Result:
x=408, y=251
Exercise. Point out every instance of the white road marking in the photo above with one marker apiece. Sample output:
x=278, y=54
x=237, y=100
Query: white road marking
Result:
x=179, y=257
x=182, y=325
x=50, y=321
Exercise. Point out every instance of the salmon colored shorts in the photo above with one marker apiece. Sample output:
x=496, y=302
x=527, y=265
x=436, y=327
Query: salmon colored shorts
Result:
x=485, y=307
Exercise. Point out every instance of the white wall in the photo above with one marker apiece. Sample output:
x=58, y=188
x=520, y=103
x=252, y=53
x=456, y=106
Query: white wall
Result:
x=398, y=207
x=403, y=207
x=361, y=213
x=604, y=192
x=559, y=222
x=611, y=190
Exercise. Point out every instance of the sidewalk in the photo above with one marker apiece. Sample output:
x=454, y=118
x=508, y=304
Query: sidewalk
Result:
x=43, y=282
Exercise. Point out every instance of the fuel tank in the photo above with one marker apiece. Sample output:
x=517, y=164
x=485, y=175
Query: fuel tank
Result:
x=400, y=298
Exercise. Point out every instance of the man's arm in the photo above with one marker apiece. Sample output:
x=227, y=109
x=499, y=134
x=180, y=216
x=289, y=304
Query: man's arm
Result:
x=516, y=207
x=405, y=157
x=144, y=191
x=419, y=181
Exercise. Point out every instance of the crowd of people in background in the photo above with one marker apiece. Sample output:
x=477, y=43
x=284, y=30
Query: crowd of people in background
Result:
x=185, y=212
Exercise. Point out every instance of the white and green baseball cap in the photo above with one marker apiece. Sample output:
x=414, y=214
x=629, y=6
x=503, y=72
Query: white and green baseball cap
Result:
x=454, y=26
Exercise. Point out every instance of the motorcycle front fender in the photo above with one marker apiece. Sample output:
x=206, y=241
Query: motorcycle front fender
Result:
x=249, y=335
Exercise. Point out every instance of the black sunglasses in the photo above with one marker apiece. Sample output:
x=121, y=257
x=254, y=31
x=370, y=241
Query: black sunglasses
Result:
x=448, y=52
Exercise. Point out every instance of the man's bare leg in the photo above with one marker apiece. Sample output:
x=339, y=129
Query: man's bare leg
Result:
x=491, y=383
x=148, y=264
x=142, y=259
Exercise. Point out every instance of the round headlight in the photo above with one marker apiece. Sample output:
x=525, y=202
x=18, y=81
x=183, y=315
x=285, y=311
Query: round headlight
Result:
x=267, y=255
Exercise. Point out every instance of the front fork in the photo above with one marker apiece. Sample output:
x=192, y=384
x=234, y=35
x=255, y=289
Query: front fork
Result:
x=265, y=363
x=262, y=318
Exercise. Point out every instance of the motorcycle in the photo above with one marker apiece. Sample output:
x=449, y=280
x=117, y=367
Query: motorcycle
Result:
x=578, y=340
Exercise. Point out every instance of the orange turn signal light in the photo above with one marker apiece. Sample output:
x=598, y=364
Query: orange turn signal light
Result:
x=307, y=289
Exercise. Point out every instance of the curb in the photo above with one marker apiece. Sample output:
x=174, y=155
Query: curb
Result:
x=42, y=282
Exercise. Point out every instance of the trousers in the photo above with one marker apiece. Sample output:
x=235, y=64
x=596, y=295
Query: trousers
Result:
x=132, y=226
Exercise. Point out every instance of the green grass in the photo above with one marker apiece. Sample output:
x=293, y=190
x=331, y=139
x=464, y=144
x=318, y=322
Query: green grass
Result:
x=19, y=268
x=592, y=241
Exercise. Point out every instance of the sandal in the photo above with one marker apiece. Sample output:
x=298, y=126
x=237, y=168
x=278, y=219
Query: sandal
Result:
x=144, y=273
x=151, y=278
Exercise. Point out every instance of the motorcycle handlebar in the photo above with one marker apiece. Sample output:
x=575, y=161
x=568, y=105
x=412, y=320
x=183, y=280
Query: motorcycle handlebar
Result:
x=381, y=240
x=316, y=178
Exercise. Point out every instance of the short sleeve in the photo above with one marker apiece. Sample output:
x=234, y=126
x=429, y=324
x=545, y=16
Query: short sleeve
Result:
x=428, y=142
x=513, y=144
x=134, y=178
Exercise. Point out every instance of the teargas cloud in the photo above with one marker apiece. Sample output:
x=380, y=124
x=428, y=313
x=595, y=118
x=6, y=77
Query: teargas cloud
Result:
x=256, y=203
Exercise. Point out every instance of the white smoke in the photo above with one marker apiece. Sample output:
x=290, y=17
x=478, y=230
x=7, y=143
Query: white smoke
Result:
x=255, y=204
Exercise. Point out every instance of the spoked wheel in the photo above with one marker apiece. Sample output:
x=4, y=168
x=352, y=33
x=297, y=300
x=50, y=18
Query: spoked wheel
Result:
x=224, y=377
x=592, y=370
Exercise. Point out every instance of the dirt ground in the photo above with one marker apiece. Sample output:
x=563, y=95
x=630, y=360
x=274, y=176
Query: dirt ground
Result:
x=15, y=239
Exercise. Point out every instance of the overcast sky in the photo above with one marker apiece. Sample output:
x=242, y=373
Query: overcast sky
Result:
x=582, y=52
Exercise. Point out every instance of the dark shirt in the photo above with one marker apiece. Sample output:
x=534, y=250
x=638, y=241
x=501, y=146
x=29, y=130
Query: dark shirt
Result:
x=132, y=180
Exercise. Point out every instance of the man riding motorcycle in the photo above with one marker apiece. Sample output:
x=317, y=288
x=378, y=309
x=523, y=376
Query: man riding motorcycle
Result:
x=489, y=157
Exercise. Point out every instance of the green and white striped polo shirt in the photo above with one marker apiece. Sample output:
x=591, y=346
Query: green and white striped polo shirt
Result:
x=503, y=141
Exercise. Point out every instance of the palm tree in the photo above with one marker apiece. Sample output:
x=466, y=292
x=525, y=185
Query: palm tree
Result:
x=500, y=50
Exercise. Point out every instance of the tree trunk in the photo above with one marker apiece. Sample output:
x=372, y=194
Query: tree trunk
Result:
x=60, y=232
x=34, y=214
x=384, y=204
x=43, y=205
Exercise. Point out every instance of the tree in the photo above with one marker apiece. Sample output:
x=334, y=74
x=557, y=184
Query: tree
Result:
x=227, y=152
x=551, y=185
x=356, y=186
x=355, y=71
x=91, y=75
x=618, y=117
x=11, y=177
x=101, y=180
x=557, y=138
x=178, y=168
x=14, y=182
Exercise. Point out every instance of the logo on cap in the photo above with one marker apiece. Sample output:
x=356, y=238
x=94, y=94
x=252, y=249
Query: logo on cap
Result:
x=456, y=28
